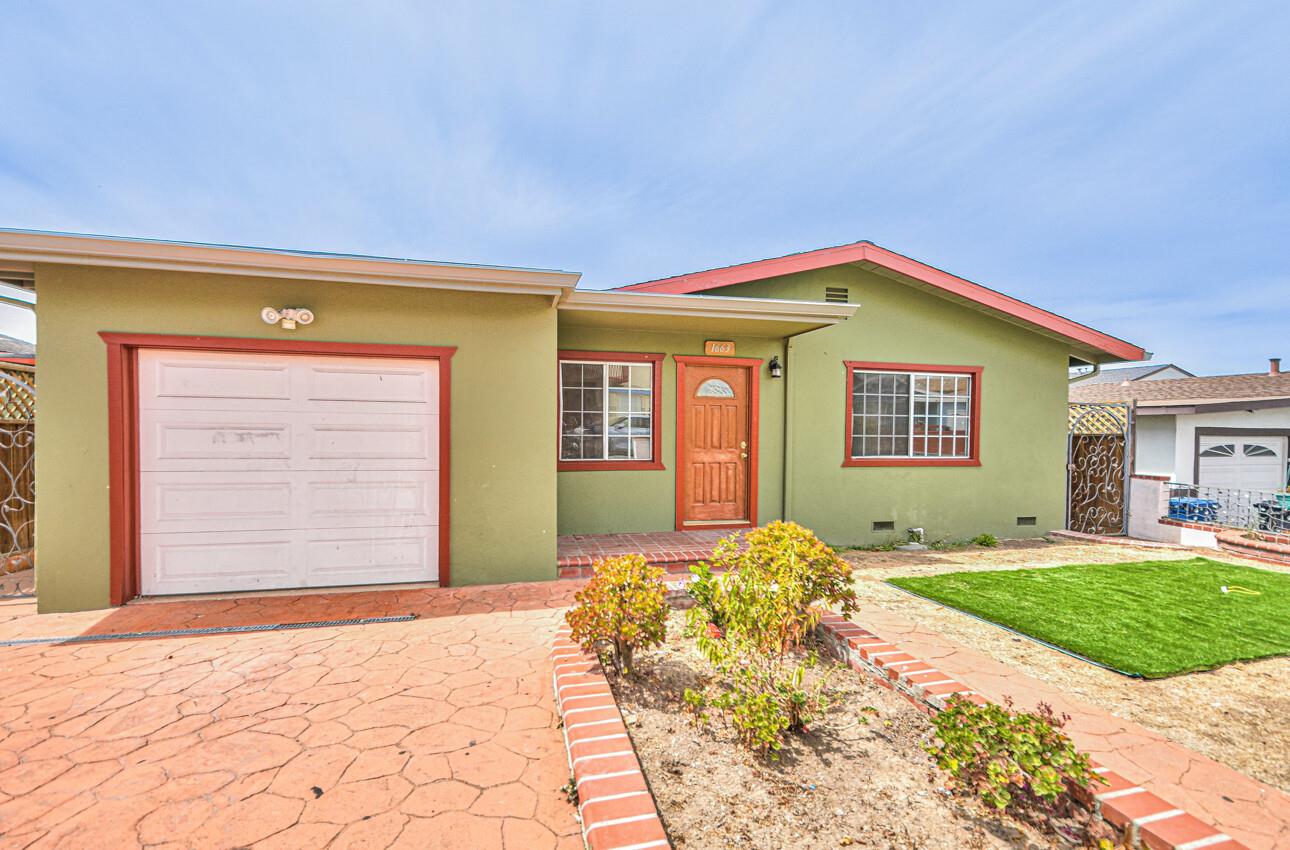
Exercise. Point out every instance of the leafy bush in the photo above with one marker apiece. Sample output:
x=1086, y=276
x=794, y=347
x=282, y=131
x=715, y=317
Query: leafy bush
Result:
x=750, y=619
x=1009, y=757
x=986, y=539
x=621, y=609
x=771, y=588
x=763, y=699
x=703, y=590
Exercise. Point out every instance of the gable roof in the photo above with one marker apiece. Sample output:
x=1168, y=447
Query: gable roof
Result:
x=1128, y=373
x=1091, y=344
x=1184, y=392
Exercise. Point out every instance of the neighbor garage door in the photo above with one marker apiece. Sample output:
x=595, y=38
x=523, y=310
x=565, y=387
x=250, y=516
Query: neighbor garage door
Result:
x=284, y=471
x=1243, y=463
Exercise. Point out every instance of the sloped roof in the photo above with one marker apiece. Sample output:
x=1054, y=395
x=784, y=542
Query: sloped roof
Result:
x=1093, y=344
x=1130, y=373
x=1181, y=391
x=14, y=347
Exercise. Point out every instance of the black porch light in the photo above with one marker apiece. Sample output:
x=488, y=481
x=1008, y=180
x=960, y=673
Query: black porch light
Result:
x=776, y=370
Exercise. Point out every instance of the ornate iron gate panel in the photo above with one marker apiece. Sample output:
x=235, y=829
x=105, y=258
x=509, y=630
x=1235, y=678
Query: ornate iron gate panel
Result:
x=17, y=479
x=1098, y=467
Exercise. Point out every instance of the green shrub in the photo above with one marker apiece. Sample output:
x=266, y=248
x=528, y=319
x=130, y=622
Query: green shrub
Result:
x=703, y=590
x=763, y=697
x=986, y=539
x=621, y=609
x=771, y=588
x=750, y=619
x=1008, y=757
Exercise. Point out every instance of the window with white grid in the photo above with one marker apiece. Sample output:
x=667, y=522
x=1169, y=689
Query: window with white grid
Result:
x=911, y=414
x=606, y=411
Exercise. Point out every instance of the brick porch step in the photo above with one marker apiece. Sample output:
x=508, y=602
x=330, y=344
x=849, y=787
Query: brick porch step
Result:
x=674, y=551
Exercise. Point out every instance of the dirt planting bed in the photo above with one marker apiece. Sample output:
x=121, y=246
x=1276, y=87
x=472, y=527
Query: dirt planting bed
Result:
x=1235, y=714
x=859, y=778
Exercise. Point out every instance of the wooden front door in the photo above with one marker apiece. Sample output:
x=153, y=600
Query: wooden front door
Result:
x=717, y=441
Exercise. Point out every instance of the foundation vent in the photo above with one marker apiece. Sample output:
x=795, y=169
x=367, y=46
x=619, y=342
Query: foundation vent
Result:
x=886, y=525
x=837, y=295
x=1025, y=520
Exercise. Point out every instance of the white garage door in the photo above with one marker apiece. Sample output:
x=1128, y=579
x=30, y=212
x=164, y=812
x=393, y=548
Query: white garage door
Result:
x=1243, y=463
x=279, y=471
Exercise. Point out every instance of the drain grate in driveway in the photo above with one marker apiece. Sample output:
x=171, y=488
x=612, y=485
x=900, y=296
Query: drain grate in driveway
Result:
x=212, y=630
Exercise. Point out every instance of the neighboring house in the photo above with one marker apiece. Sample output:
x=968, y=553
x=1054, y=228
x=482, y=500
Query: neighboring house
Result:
x=1120, y=374
x=438, y=422
x=13, y=350
x=1225, y=431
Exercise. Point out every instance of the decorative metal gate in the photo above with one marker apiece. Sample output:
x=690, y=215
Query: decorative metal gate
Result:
x=1098, y=467
x=17, y=478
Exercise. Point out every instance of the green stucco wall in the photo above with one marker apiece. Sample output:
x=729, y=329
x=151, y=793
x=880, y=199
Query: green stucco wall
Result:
x=503, y=515
x=1023, y=416
x=600, y=502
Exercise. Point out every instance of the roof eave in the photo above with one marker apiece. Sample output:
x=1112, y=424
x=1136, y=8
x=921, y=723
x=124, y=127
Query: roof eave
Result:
x=767, y=309
x=1104, y=348
x=30, y=247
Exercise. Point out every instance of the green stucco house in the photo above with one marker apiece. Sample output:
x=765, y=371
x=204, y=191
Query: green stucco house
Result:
x=216, y=419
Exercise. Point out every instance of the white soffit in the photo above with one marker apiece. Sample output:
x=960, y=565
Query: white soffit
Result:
x=707, y=306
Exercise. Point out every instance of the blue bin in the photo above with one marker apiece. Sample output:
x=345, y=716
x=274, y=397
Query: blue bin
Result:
x=1192, y=509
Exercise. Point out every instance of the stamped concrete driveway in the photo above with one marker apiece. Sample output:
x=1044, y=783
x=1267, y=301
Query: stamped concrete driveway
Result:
x=434, y=733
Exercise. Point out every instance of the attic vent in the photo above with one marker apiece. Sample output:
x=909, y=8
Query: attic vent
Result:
x=837, y=294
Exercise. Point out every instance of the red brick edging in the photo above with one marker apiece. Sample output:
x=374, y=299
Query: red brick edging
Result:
x=615, y=805
x=1143, y=818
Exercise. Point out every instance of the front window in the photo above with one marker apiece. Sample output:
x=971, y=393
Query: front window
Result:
x=909, y=415
x=607, y=411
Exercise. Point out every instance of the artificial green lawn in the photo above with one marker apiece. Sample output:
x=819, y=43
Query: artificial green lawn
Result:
x=1152, y=619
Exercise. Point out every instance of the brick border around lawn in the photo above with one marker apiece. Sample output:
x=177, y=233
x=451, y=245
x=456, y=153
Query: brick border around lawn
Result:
x=1144, y=819
x=615, y=804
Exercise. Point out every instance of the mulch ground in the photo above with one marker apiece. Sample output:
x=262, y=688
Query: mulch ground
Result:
x=860, y=777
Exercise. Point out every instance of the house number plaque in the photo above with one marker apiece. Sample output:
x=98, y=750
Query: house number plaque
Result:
x=719, y=346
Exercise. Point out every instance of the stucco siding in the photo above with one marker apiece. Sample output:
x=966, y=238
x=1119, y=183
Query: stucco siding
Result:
x=503, y=390
x=1023, y=416
x=600, y=502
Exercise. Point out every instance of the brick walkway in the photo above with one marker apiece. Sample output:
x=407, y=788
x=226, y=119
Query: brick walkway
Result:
x=439, y=732
x=1244, y=808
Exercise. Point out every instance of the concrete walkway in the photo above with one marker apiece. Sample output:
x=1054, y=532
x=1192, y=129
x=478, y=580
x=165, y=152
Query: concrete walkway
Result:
x=438, y=732
x=1244, y=808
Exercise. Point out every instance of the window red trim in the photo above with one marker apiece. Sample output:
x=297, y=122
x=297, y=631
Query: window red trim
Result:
x=123, y=432
x=974, y=439
x=753, y=365
x=656, y=435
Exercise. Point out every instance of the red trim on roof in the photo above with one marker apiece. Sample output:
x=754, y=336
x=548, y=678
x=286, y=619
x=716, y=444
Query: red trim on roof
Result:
x=869, y=252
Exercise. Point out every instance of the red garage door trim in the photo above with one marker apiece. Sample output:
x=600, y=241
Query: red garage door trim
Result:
x=123, y=431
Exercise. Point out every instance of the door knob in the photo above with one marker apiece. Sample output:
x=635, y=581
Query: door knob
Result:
x=743, y=444
x=743, y=454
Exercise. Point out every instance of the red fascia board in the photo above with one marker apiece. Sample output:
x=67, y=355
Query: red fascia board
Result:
x=869, y=252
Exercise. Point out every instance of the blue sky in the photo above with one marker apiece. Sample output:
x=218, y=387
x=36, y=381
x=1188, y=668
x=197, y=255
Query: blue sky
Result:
x=1127, y=165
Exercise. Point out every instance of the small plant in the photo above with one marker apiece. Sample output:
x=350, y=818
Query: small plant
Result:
x=1008, y=757
x=621, y=609
x=703, y=590
x=986, y=539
